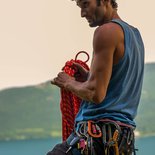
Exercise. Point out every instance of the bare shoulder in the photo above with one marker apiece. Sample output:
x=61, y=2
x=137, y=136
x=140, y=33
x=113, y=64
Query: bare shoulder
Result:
x=109, y=28
x=108, y=35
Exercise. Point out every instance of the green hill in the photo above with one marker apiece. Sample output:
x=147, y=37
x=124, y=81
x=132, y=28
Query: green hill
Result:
x=30, y=112
x=146, y=113
x=34, y=111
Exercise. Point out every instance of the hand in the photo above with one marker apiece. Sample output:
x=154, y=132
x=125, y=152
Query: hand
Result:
x=61, y=80
x=81, y=74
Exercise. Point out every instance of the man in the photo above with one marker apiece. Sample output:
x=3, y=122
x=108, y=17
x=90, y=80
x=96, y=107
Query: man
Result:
x=112, y=88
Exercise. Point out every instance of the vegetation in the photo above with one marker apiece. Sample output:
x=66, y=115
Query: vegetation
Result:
x=34, y=111
x=146, y=113
x=30, y=112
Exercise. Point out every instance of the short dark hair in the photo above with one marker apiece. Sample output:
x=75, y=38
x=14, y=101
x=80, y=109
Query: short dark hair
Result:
x=113, y=3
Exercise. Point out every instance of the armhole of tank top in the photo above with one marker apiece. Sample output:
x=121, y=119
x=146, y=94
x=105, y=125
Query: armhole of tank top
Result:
x=121, y=60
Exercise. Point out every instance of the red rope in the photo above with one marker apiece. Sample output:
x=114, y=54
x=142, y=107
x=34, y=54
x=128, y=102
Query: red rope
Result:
x=69, y=102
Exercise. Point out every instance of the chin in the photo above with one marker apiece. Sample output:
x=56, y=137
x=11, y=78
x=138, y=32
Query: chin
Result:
x=93, y=24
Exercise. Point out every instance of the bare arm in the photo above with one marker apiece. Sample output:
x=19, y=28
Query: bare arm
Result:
x=106, y=39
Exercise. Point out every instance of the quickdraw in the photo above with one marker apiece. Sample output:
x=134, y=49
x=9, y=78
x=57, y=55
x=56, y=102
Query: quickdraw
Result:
x=112, y=138
x=70, y=103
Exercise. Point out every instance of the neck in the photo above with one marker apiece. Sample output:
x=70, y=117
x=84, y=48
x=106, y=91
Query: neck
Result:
x=115, y=15
x=110, y=16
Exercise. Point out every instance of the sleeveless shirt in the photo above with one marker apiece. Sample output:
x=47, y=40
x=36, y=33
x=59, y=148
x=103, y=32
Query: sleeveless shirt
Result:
x=124, y=89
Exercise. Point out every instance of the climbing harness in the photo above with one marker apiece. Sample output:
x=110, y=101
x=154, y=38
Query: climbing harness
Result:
x=70, y=103
x=105, y=137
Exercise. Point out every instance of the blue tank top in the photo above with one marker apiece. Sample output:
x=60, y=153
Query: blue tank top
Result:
x=124, y=90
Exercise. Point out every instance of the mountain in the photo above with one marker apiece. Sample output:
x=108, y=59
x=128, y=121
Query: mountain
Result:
x=30, y=112
x=34, y=111
x=146, y=112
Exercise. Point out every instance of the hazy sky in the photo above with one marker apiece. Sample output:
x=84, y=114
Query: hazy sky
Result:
x=38, y=36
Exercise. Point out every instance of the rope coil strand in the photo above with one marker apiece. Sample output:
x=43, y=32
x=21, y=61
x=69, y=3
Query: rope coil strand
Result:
x=70, y=103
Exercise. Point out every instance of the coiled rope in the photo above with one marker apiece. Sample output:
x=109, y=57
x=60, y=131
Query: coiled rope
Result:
x=70, y=103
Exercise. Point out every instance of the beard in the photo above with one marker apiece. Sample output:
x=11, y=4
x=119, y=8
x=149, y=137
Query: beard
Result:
x=94, y=24
x=97, y=19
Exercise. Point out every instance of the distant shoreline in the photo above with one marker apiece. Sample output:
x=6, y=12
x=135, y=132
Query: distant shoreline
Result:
x=137, y=136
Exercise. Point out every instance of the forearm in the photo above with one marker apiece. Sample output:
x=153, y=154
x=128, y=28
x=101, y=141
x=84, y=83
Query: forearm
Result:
x=91, y=90
x=83, y=90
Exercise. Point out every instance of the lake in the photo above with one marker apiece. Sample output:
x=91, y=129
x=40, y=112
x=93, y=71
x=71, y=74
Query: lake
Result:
x=41, y=147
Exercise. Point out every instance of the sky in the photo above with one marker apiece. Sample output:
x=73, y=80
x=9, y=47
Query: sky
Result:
x=37, y=37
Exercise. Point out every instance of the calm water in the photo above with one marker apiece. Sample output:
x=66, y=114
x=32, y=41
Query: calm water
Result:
x=41, y=147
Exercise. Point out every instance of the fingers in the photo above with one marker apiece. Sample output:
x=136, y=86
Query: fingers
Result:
x=58, y=82
x=77, y=65
x=53, y=81
x=61, y=74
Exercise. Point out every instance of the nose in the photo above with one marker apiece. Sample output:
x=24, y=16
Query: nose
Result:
x=83, y=13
